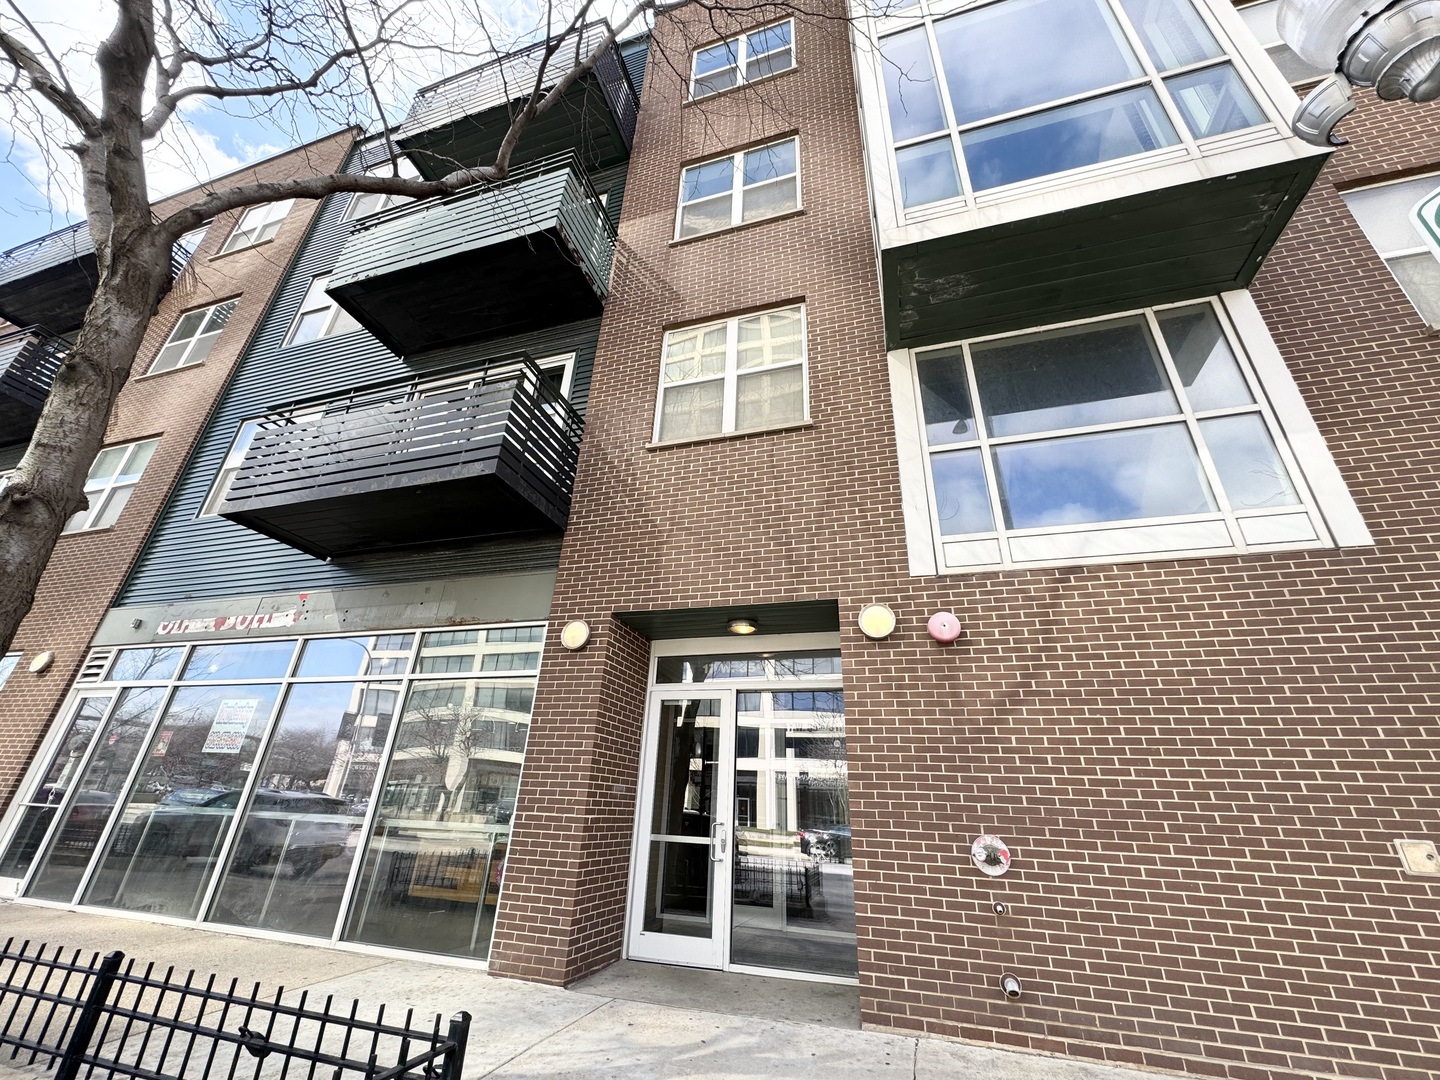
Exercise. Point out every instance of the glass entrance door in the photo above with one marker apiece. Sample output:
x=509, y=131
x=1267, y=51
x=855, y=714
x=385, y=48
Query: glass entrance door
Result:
x=743, y=852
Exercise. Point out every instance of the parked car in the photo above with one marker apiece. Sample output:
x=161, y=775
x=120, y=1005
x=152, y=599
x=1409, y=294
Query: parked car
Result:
x=827, y=843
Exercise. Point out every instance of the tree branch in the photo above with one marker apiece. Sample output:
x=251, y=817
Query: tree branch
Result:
x=55, y=90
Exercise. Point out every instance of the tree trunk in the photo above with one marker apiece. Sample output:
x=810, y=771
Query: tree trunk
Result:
x=45, y=490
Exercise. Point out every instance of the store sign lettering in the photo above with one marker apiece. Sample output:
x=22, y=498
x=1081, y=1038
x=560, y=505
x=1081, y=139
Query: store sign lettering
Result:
x=228, y=622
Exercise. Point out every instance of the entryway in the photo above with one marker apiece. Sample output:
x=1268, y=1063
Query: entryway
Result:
x=743, y=856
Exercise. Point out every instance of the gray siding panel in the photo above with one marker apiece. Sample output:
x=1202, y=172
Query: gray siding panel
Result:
x=186, y=558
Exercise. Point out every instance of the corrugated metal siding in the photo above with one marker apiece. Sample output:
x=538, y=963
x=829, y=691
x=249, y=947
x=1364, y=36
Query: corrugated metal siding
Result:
x=633, y=54
x=189, y=559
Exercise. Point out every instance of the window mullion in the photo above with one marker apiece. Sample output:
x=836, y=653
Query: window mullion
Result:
x=732, y=355
x=987, y=460
x=737, y=188
x=944, y=85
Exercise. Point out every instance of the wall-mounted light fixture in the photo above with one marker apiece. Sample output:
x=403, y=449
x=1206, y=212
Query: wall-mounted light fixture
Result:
x=42, y=662
x=575, y=635
x=742, y=626
x=877, y=621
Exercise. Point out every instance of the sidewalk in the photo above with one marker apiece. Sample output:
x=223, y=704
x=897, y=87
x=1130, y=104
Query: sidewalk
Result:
x=629, y=1022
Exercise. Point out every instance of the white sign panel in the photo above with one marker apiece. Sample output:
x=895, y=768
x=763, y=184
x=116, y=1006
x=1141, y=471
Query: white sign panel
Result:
x=227, y=730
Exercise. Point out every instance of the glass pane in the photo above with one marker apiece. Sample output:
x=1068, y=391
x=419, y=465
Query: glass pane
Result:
x=771, y=666
x=170, y=356
x=467, y=651
x=768, y=64
x=97, y=793
x=772, y=338
x=769, y=200
x=1086, y=133
x=64, y=767
x=433, y=867
x=945, y=399
x=793, y=885
x=702, y=181
x=1071, y=378
x=962, y=501
x=768, y=39
x=134, y=465
x=688, y=412
x=388, y=654
x=678, y=891
x=1250, y=468
x=242, y=660
x=178, y=812
x=1384, y=212
x=1173, y=32
x=1214, y=101
x=310, y=327
x=203, y=344
x=189, y=325
x=714, y=83
x=695, y=353
x=927, y=173
x=293, y=853
x=706, y=215
x=150, y=665
x=768, y=398
x=111, y=505
x=1020, y=53
x=1203, y=357
x=1419, y=276
x=107, y=463
x=1115, y=476
x=219, y=316
x=911, y=89
x=716, y=57
x=770, y=162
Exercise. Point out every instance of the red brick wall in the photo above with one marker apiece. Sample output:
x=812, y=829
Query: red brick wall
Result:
x=1200, y=764
x=87, y=568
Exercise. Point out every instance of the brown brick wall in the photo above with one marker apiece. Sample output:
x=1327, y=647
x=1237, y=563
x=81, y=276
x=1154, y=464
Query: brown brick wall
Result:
x=1200, y=764
x=88, y=568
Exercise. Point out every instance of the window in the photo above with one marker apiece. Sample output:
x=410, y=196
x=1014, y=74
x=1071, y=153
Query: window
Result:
x=746, y=186
x=1117, y=437
x=320, y=316
x=190, y=242
x=743, y=59
x=1383, y=212
x=363, y=204
x=1260, y=18
x=259, y=224
x=233, y=460
x=193, y=337
x=1036, y=87
x=737, y=375
x=111, y=482
x=8, y=663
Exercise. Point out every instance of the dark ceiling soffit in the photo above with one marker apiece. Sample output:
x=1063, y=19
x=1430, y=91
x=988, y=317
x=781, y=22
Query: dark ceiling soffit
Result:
x=803, y=617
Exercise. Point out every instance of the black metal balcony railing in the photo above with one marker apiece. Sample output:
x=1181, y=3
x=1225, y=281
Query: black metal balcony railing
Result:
x=445, y=456
x=491, y=260
x=29, y=359
x=505, y=79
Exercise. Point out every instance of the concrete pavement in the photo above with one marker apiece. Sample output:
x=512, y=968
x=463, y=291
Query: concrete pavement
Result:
x=629, y=1022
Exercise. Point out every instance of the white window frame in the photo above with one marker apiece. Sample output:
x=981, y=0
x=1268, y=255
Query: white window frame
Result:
x=190, y=242
x=102, y=491
x=924, y=15
x=1419, y=248
x=356, y=209
x=201, y=343
x=742, y=58
x=9, y=662
x=732, y=374
x=258, y=225
x=338, y=321
x=1278, y=43
x=1330, y=516
x=738, y=187
x=234, y=458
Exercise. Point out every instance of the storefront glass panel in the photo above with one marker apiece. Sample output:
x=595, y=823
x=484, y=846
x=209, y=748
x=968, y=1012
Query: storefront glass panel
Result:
x=178, y=811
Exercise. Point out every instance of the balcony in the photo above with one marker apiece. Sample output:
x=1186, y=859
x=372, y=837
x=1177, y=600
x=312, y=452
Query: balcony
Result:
x=29, y=360
x=49, y=281
x=448, y=457
x=492, y=260
x=464, y=118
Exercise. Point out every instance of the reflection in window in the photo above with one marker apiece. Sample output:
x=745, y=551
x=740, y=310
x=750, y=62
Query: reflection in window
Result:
x=145, y=665
x=241, y=660
x=1383, y=212
x=780, y=665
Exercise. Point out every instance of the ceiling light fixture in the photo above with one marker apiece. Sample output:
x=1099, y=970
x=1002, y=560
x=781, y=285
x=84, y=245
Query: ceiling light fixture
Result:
x=742, y=626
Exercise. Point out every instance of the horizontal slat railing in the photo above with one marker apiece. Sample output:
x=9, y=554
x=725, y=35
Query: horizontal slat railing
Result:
x=52, y=249
x=414, y=432
x=29, y=361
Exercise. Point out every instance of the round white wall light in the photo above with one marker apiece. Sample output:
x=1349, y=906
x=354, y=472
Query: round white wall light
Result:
x=575, y=635
x=876, y=621
x=42, y=662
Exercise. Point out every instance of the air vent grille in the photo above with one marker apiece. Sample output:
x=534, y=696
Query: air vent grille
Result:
x=95, y=665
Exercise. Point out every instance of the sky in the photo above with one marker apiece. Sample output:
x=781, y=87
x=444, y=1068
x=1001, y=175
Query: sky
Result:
x=39, y=191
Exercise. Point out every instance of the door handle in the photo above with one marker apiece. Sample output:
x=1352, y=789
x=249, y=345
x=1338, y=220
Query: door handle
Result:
x=717, y=840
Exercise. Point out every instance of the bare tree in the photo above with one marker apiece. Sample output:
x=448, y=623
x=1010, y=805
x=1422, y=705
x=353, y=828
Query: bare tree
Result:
x=272, y=56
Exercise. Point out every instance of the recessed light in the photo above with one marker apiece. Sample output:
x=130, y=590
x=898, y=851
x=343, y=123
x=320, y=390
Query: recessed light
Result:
x=742, y=626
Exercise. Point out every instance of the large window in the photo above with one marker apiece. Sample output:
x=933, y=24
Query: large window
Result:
x=1260, y=19
x=734, y=375
x=8, y=663
x=746, y=186
x=233, y=460
x=320, y=316
x=363, y=203
x=320, y=786
x=1383, y=212
x=743, y=59
x=112, y=480
x=1010, y=91
x=1117, y=437
x=257, y=225
x=193, y=337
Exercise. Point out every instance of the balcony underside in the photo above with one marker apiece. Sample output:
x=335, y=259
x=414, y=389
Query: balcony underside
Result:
x=511, y=287
x=53, y=296
x=1173, y=244
x=482, y=500
x=29, y=360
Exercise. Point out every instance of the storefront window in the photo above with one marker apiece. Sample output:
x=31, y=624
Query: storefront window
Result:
x=241, y=782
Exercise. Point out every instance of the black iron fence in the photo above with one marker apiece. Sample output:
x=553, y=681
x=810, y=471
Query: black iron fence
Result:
x=104, y=1016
